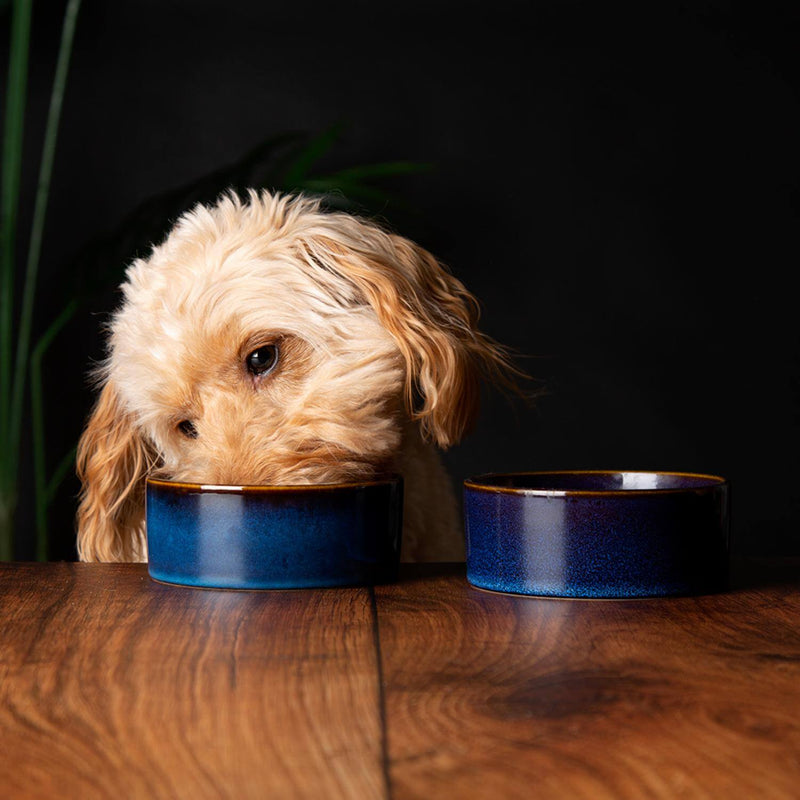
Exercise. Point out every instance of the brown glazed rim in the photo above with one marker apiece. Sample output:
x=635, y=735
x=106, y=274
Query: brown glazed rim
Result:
x=479, y=483
x=213, y=488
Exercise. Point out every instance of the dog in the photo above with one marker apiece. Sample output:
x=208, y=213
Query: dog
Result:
x=268, y=340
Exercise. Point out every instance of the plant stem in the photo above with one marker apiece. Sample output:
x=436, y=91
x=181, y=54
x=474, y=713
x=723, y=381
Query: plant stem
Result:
x=37, y=228
x=7, y=504
x=9, y=204
x=65, y=466
x=43, y=490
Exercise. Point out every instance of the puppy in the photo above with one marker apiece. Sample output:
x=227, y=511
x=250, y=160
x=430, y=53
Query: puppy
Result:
x=269, y=341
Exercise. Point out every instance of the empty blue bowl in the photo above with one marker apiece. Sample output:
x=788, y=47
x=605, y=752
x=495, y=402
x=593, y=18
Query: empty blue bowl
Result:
x=274, y=537
x=597, y=534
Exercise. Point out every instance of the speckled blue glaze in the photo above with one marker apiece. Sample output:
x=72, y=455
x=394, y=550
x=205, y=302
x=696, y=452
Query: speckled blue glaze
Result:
x=283, y=537
x=597, y=534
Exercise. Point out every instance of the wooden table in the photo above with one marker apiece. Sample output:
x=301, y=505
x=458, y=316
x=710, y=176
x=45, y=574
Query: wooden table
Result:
x=114, y=686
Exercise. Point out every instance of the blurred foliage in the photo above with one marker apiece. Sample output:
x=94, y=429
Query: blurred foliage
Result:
x=285, y=162
x=20, y=360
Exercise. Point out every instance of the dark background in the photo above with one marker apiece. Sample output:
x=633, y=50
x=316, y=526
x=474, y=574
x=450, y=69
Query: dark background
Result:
x=617, y=183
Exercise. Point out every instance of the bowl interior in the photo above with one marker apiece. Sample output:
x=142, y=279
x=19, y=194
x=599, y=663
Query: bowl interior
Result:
x=270, y=491
x=611, y=481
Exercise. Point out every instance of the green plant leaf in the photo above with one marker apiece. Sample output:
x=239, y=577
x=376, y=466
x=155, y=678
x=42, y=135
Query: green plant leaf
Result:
x=389, y=169
x=350, y=190
x=42, y=489
x=37, y=227
x=16, y=90
x=63, y=468
x=310, y=154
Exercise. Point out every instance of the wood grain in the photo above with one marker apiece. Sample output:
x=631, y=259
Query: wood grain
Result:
x=491, y=695
x=112, y=685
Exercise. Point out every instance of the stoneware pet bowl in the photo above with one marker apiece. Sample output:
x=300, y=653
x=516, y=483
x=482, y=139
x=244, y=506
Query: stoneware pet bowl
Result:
x=274, y=537
x=597, y=534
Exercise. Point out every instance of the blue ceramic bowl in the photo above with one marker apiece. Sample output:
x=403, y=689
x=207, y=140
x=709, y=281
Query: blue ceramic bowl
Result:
x=274, y=537
x=597, y=533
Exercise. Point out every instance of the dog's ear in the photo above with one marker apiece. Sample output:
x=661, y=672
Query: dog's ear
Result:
x=112, y=462
x=431, y=316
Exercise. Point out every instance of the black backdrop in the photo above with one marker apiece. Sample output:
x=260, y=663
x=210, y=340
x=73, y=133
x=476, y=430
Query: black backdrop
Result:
x=617, y=183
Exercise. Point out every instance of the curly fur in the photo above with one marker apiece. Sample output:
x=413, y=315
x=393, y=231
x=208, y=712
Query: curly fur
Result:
x=379, y=362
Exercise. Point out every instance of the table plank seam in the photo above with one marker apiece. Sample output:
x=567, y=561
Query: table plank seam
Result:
x=381, y=695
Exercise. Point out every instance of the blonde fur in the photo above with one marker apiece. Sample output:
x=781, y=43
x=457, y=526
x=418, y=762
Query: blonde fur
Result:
x=379, y=363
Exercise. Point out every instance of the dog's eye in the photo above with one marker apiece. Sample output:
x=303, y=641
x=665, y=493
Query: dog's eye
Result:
x=187, y=428
x=261, y=361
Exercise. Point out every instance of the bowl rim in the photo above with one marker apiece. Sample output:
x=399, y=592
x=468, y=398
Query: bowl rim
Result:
x=277, y=488
x=479, y=483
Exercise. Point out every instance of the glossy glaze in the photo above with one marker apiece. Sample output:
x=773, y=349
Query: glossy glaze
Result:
x=597, y=533
x=275, y=537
